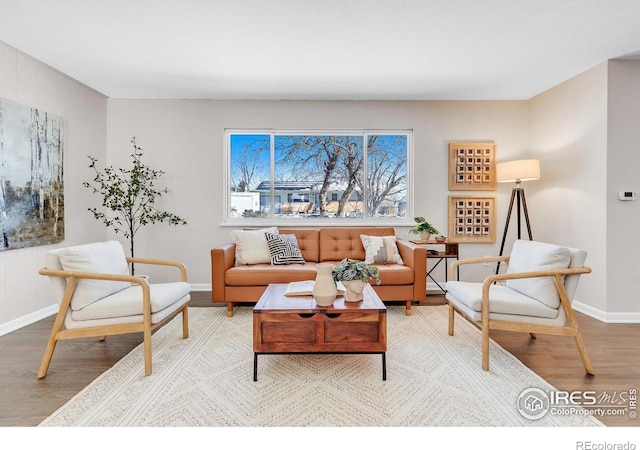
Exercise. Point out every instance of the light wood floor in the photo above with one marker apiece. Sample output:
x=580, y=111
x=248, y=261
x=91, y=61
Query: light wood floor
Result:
x=25, y=401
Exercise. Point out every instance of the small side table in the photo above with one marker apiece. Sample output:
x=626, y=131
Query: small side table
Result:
x=450, y=252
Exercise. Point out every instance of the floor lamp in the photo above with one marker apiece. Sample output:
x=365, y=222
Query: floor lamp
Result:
x=517, y=171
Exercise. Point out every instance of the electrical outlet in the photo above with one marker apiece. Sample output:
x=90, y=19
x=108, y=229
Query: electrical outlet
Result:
x=485, y=263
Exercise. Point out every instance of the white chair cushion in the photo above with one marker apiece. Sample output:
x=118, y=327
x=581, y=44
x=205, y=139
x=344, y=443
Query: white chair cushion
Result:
x=128, y=302
x=502, y=300
x=251, y=246
x=529, y=256
x=381, y=250
x=100, y=257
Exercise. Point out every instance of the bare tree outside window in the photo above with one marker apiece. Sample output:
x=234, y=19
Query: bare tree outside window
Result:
x=350, y=175
x=386, y=174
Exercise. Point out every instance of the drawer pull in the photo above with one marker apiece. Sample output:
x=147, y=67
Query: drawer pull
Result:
x=333, y=315
x=306, y=315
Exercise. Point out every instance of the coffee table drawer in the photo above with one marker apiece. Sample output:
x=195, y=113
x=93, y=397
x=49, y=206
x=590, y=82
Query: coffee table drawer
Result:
x=319, y=330
x=288, y=332
x=352, y=332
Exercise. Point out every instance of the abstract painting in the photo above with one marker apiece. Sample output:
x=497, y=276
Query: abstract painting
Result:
x=31, y=183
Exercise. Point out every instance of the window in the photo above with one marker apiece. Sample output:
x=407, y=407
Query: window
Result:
x=345, y=175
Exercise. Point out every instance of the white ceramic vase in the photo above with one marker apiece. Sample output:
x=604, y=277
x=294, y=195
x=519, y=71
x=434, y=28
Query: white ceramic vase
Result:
x=324, y=288
x=353, y=290
x=425, y=235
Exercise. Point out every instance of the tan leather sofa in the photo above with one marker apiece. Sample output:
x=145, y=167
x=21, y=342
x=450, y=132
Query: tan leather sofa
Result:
x=245, y=284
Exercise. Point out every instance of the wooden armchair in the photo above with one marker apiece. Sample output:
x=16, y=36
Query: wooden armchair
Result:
x=534, y=295
x=98, y=297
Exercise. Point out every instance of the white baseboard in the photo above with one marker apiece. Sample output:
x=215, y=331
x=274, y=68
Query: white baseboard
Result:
x=434, y=287
x=606, y=317
x=200, y=286
x=23, y=321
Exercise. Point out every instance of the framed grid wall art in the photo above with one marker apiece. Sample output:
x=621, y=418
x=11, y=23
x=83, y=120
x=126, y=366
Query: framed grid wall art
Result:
x=472, y=166
x=472, y=218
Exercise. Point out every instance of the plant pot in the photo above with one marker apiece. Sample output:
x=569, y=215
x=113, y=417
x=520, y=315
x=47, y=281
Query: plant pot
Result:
x=353, y=290
x=425, y=235
x=324, y=288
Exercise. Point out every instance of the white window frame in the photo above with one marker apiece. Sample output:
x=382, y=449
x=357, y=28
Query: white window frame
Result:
x=309, y=222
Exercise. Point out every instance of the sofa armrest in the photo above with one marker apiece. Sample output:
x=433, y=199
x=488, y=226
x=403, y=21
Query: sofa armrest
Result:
x=222, y=259
x=415, y=257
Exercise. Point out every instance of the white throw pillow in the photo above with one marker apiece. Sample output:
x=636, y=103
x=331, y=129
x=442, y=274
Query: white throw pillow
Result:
x=530, y=256
x=251, y=246
x=381, y=250
x=98, y=257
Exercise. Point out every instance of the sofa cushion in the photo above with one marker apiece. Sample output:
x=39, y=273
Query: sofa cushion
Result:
x=391, y=274
x=380, y=250
x=284, y=249
x=251, y=246
x=529, y=256
x=263, y=274
x=339, y=243
x=99, y=257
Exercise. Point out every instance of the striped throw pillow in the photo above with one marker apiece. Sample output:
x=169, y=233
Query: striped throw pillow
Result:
x=284, y=249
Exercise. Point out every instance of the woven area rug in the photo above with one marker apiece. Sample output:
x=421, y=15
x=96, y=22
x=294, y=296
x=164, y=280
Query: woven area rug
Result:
x=433, y=379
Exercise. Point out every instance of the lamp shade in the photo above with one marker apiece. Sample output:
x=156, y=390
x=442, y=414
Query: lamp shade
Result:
x=517, y=171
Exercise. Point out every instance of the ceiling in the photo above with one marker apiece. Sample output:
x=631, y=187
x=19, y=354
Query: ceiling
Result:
x=322, y=49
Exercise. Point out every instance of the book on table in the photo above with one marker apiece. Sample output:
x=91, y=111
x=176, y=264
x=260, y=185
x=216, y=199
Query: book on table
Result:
x=304, y=288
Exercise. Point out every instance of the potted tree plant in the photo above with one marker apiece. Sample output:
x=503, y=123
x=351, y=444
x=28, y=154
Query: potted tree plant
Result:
x=353, y=274
x=423, y=228
x=129, y=195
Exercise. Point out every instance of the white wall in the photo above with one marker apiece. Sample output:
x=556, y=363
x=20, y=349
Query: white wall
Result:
x=186, y=139
x=568, y=204
x=623, y=173
x=24, y=295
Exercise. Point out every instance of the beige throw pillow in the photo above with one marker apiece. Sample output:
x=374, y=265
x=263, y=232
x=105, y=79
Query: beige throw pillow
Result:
x=251, y=246
x=532, y=256
x=99, y=257
x=381, y=250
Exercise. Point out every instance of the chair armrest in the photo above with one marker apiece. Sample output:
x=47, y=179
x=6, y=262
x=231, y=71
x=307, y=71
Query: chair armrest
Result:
x=461, y=262
x=92, y=275
x=222, y=259
x=536, y=274
x=161, y=262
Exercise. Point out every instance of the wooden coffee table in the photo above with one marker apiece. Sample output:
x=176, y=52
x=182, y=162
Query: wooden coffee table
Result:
x=283, y=325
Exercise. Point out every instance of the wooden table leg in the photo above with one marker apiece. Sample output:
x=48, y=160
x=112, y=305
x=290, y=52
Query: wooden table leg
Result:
x=255, y=367
x=384, y=366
